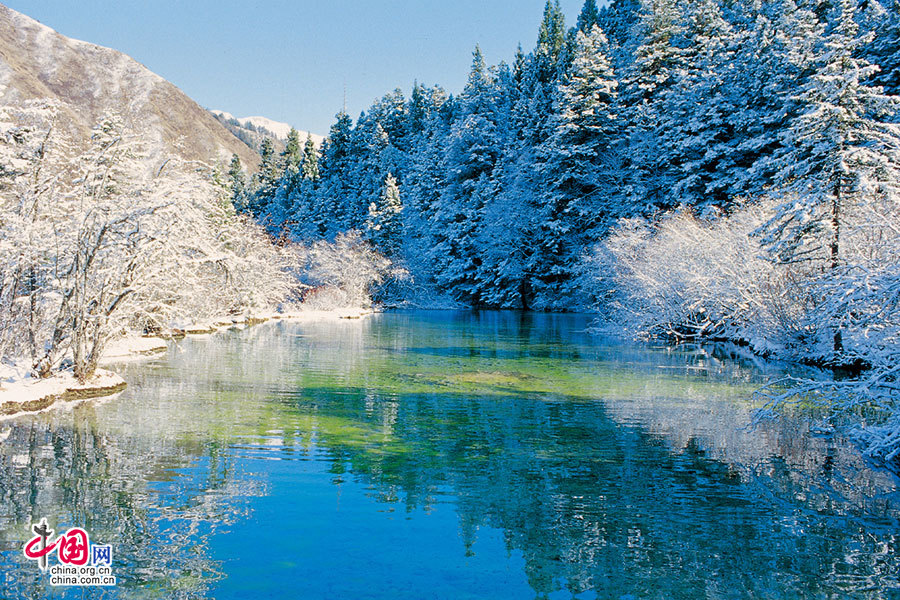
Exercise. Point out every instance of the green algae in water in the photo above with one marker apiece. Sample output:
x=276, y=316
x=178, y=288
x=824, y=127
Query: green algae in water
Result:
x=447, y=455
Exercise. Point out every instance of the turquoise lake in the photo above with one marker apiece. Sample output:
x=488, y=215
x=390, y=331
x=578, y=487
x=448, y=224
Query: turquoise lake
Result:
x=446, y=455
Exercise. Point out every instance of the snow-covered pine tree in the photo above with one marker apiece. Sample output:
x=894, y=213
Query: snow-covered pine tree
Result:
x=424, y=183
x=647, y=77
x=292, y=155
x=471, y=154
x=371, y=144
x=551, y=42
x=505, y=235
x=774, y=56
x=539, y=74
x=617, y=20
x=575, y=168
x=760, y=86
x=385, y=224
x=329, y=210
x=281, y=218
x=297, y=196
x=697, y=112
x=523, y=108
x=841, y=150
x=310, y=164
x=884, y=49
x=390, y=112
x=588, y=17
x=657, y=56
x=265, y=181
x=238, y=184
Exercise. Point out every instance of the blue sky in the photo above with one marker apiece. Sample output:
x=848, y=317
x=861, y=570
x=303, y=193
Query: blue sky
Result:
x=290, y=60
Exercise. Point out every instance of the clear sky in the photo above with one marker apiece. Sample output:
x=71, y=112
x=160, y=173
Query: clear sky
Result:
x=290, y=60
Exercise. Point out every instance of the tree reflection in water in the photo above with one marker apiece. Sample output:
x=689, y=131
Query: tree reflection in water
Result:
x=609, y=468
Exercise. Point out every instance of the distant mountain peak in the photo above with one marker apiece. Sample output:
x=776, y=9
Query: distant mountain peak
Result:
x=264, y=126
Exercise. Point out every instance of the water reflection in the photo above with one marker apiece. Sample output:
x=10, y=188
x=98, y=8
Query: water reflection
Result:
x=448, y=455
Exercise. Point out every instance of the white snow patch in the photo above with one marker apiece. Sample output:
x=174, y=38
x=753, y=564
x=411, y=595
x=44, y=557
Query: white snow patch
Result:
x=12, y=372
x=225, y=115
x=279, y=129
x=28, y=388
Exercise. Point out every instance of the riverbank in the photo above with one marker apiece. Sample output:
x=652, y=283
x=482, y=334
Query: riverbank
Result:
x=21, y=394
x=29, y=395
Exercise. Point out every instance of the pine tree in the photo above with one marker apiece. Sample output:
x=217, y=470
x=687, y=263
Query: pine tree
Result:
x=759, y=87
x=548, y=63
x=588, y=17
x=841, y=151
x=330, y=210
x=656, y=60
x=292, y=155
x=237, y=184
x=657, y=57
x=310, y=168
x=371, y=147
x=424, y=183
x=617, y=19
x=266, y=180
x=385, y=225
x=575, y=169
x=883, y=49
x=504, y=237
x=697, y=112
x=472, y=152
x=281, y=214
x=551, y=42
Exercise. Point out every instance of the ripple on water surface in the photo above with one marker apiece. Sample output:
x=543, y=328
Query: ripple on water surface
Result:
x=447, y=455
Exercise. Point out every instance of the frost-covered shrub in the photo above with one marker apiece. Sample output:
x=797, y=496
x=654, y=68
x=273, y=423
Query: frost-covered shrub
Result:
x=861, y=296
x=687, y=277
x=342, y=273
x=96, y=240
x=328, y=297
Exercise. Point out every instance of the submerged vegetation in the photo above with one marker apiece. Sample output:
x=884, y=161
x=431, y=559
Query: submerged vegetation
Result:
x=513, y=453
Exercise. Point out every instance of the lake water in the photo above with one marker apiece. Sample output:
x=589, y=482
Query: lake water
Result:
x=446, y=455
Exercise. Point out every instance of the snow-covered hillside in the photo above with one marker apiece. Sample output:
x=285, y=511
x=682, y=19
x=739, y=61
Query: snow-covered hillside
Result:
x=91, y=82
x=277, y=128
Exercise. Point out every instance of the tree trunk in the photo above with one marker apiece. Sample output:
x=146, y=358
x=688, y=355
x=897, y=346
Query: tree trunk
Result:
x=838, y=341
x=525, y=292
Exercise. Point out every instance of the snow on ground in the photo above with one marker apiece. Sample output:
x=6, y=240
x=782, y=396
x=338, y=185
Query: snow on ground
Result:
x=27, y=394
x=278, y=128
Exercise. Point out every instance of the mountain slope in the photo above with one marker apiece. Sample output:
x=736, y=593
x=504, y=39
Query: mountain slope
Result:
x=92, y=81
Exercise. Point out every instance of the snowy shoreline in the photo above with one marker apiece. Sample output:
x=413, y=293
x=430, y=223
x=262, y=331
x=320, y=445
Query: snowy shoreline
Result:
x=22, y=394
